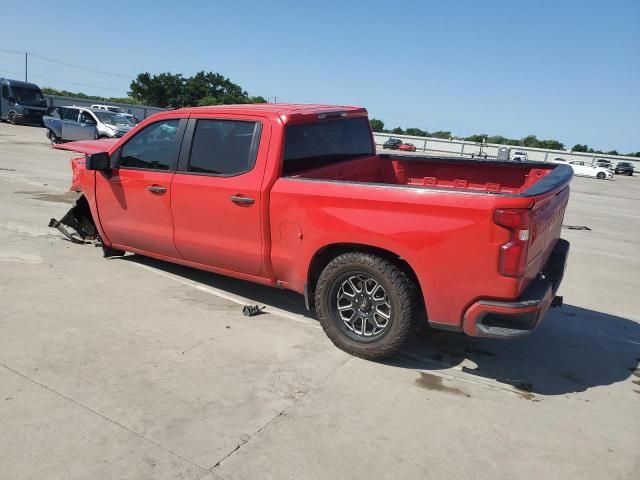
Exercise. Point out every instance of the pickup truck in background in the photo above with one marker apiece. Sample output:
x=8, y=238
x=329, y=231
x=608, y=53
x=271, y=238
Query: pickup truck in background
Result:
x=295, y=197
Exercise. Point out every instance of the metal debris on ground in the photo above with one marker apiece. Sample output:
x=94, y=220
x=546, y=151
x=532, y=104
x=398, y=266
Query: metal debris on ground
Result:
x=77, y=224
x=251, y=310
x=576, y=227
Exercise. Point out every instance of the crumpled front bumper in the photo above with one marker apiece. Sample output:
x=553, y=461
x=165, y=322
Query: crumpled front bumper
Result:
x=491, y=318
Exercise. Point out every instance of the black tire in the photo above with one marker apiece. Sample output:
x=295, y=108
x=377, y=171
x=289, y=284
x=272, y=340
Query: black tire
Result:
x=12, y=118
x=53, y=137
x=601, y=176
x=400, y=295
x=630, y=174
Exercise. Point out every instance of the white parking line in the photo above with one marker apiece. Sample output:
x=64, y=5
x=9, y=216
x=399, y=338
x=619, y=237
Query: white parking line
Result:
x=240, y=300
x=452, y=372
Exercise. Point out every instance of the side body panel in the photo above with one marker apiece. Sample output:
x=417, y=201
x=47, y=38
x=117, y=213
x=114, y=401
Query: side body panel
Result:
x=53, y=124
x=448, y=238
x=134, y=216
x=210, y=227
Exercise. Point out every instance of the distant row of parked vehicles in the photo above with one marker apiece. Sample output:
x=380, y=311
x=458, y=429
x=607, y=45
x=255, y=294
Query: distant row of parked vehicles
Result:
x=397, y=144
x=601, y=169
x=81, y=123
x=23, y=102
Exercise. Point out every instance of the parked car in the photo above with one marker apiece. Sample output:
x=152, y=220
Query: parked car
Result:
x=518, y=156
x=392, y=144
x=21, y=102
x=66, y=123
x=624, y=168
x=129, y=116
x=295, y=196
x=407, y=147
x=584, y=169
x=559, y=160
x=600, y=162
x=79, y=123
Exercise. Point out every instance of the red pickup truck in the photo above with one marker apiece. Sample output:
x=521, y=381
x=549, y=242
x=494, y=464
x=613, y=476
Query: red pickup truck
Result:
x=295, y=196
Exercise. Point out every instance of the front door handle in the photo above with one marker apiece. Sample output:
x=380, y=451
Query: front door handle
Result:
x=156, y=188
x=242, y=200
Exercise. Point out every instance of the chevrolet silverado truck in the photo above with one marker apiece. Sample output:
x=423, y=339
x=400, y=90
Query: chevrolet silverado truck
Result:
x=295, y=197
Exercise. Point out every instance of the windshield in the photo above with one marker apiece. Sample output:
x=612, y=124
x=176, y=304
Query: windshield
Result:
x=29, y=96
x=325, y=142
x=111, y=118
x=116, y=110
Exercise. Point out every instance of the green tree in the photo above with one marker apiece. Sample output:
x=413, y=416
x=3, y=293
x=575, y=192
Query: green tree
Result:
x=613, y=152
x=441, y=134
x=551, y=144
x=478, y=138
x=66, y=93
x=376, y=125
x=579, y=148
x=215, y=88
x=416, y=132
x=398, y=131
x=162, y=90
x=530, y=141
x=497, y=139
x=173, y=90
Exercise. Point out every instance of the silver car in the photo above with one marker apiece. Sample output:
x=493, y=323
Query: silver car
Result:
x=80, y=123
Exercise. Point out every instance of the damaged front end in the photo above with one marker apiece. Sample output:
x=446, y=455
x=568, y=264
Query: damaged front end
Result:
x=77, y=225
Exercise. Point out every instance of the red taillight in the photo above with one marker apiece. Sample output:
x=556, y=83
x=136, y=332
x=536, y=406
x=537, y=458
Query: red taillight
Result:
x=513, y=254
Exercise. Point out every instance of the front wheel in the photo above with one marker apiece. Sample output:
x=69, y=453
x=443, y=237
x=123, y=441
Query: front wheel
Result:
x=53, y=138
x=366, y=305
x=601, y=176
x=13, y=118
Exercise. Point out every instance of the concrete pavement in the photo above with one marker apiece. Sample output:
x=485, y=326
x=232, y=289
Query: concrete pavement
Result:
x=132, y=368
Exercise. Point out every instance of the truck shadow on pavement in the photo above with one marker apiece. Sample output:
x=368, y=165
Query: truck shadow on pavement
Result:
x=573, y=350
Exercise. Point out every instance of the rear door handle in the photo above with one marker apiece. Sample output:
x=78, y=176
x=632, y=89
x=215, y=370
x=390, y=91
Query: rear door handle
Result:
x=241, y=200
x=156, y=188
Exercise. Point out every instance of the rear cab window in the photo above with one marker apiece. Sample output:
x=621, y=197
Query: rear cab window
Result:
x=320, y=143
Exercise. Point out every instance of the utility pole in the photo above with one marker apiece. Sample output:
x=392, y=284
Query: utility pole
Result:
x=26, y=66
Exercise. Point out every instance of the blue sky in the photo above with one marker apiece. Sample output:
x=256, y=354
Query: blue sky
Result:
x=568, y=70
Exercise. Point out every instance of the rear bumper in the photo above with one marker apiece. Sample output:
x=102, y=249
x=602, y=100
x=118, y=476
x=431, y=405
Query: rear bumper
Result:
x=491, y=318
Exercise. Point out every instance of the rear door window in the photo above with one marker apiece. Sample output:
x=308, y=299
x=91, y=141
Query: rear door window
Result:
x=223, y=147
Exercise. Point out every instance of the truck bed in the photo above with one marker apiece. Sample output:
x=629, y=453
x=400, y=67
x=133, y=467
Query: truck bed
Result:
x=447, y=173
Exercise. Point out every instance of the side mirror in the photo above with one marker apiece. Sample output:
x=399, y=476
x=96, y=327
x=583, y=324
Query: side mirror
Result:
x=98, y=161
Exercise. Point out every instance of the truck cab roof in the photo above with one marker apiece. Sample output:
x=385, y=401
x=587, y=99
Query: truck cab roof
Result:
x=285, y=111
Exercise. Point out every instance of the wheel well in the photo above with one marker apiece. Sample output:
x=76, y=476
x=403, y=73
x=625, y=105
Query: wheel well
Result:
x=322, y=258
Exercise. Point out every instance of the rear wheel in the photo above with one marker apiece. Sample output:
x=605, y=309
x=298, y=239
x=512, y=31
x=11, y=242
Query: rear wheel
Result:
x=13, y=118
x=601, y=176
x=366, y=305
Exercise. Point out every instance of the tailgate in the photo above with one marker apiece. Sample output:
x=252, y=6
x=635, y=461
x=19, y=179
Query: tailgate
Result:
x=546, y=224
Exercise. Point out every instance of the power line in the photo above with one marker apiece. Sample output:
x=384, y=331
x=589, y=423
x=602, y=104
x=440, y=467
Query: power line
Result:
x=67, y=64
x=67, y=82
x=41, y=57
